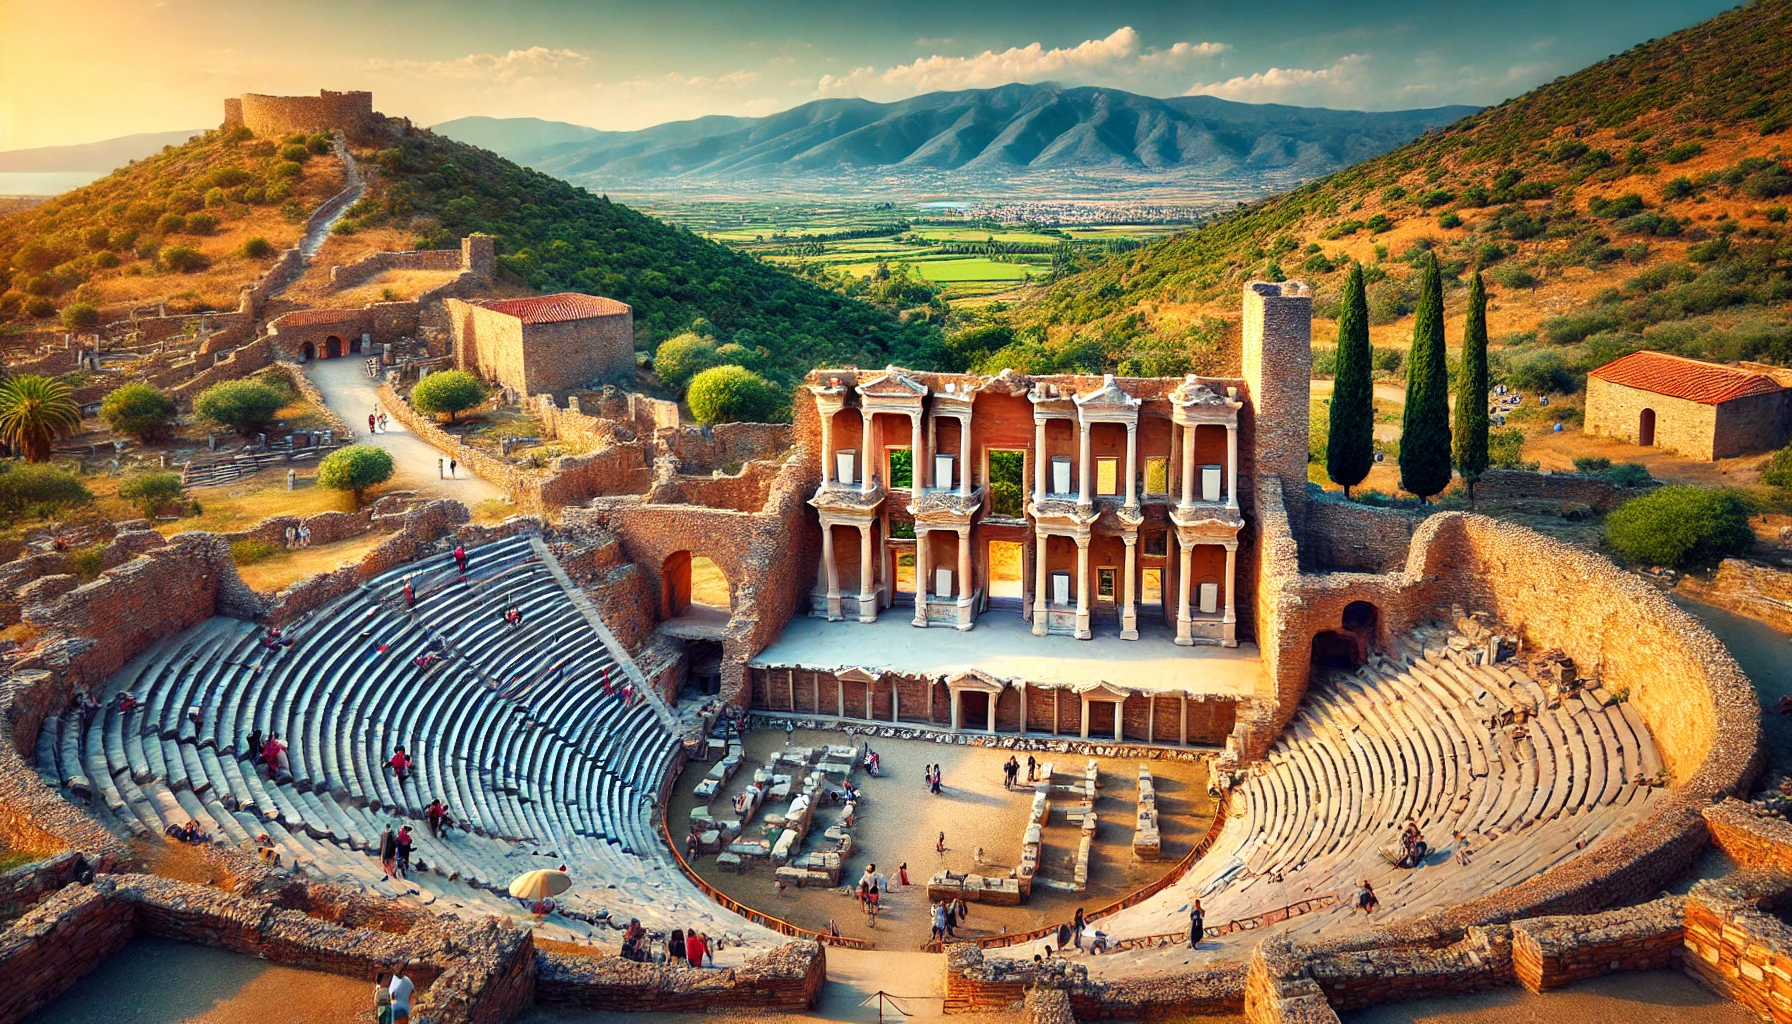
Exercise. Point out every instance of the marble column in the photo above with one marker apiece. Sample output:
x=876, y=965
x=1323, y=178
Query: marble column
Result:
x=1132, y=465
x=965, y=589
x=1232, y=466
x=1082, y=589
x=832, y=568
x=1188, y=465
x=917, y=457
x=1230, y=622
x=1082, y=464
x=1085, y=718
x=1041, y=617
x=1039, y=459
x=827, y=449
x=867, y=577
x=922, y=569
x=1129, y=615
x=865, y=462
x=1185, y=634
x=964, y=460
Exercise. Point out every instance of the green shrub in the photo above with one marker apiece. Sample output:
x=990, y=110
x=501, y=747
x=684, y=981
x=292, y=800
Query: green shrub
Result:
x=201, y=223
x=1505, y=449
x=250, y=551
x=105, y=260
x=451, y=391
x=169, y=223
x=228, y=177
x=40, y=490
x=725, y=394
x=1628, y=474
x=245, y=406
x=1449, y=220
x=343, y=227
x=150, y=492
x=88, y=563
x=184, y=259
x=318, y=144
x=1617, y=208
x=1683, y=152
x=680, y=358
x=139, y=410
x=285, y=169
x=1591, y=465
x=1680, y=526
x=37, y=307
x=355, y=468
x=80, y=316
x=257, y=248
x=1775, y=214
x=1678, y=188
x=1777, y=471
x=297, y=154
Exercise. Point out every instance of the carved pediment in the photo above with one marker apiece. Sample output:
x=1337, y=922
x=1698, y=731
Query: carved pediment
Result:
x=858, y=675
x=1099, y=690
x=974, y=680
x=1110, y=397
x=1009, y=382
x=893, y=383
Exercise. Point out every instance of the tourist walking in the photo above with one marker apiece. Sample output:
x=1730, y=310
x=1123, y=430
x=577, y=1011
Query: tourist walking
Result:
x=675, y=946
x=388, y=853
x=1032, y=769
x=410, y=593
x=1197, y=925
x=254, y=747
x=460, y=558
x=452, y=466
x=1063, y=935
x=304, y=536
x=1077, y=925
x=373, y=422
x=382, y=999
x=902, y=873
x=292, y=537
x=402, y=845
x=437, y=817
x=939, y=846
x=939, y=922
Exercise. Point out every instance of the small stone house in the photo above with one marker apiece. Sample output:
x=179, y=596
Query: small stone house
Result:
x=1687, y=406
x=544, y=344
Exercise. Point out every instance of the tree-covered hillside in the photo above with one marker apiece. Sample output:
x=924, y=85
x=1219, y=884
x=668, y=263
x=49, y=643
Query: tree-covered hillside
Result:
x=554, y=236
x=1640, y=202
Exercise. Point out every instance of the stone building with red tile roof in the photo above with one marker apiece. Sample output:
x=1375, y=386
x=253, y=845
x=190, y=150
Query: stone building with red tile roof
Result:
x=1687, y=406
x=544, y=344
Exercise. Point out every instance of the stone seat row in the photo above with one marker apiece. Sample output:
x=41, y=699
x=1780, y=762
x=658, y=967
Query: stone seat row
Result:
x=1420, y=735
x=518, y=729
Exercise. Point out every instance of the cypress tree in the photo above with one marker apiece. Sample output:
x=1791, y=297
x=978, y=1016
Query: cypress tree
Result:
x=1425, y=428
x=1470, y=442
x=1350, y=445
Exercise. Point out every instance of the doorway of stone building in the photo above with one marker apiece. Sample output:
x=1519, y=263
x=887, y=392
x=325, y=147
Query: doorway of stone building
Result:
x=905, y=576
x=332, y=347
x=1007, y=476
x=973, y=710
x=354, y=346
x=1645, y=429
x=1151, y=591
x=1005, y=585
x=307, y=353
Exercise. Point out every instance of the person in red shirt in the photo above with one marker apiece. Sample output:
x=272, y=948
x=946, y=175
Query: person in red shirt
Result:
x=694, y=948
x=400, y=763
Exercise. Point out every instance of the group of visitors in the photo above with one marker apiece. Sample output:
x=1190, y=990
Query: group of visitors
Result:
x=438, y=818
x=1413, y=845
x=274, y=641
x=691, y=948
x=298, y=536
x=377, y=423
x=392, y=996
x=270, y=752
x=871, y=762
x=933, y=779
x=872, y=885
x=1071, y=934
x=1011, y=772
x=188, y=833
x=395, y=852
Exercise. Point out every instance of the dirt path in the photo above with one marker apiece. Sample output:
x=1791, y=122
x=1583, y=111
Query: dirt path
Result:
x=332, y=211
x=352, y=394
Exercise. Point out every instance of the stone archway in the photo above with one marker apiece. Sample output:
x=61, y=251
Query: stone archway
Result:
x=1645, y=429
x=354, y=346
x=332, y=347
x=675, y=585
x=307, y=352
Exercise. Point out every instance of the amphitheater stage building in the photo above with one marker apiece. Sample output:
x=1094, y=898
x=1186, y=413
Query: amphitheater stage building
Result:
x=1066, y=686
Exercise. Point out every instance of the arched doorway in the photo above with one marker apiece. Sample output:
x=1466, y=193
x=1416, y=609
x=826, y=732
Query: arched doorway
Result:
x=1348, y=646
x=307, y=352
x=354, y=346
x=332, y=347
x=690, y=582
x=1645, y=428
x=675, y=585
x=704, y=661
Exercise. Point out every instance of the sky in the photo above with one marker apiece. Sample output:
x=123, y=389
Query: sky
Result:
x=82, y=70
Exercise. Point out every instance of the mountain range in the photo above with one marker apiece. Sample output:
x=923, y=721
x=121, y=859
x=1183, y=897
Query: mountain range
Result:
x=1009, y=133
x=91, y=156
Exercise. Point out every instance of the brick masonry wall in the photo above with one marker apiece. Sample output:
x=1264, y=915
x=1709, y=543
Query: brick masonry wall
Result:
x=375, y=264
x=276, y=116
x=1507, y=484
x=786, y=980
x=1754, y=842
x=1736, y=949
x=1343, y=536
x=26, y=884
x=55, y=944
x=560, y=357
x=1276, y=360
x=1549, y=952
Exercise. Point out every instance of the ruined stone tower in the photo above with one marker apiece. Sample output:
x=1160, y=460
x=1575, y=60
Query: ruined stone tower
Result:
x=1278, y=366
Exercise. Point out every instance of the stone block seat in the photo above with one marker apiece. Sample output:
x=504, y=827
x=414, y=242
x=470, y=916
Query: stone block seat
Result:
x=1417, y=735
x=521, y=730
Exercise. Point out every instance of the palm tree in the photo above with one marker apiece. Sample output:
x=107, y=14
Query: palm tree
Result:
x=34, y=412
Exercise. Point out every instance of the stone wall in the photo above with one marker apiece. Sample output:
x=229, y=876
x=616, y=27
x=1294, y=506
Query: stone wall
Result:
x=1277, y=359
x=1509, y=484
x=1345, y=536
x=1737, y=949
x=233, y=365
x=55, y=944
x=541, y=358
x=274, y=117
x=1549, y=952
x=23, y=886
x=1759, y=842
x=724, y=445
x=1758, y=591
x=785, y=980
x=377, y=263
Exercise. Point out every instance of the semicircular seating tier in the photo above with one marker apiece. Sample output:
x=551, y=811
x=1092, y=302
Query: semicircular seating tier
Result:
x=1422, y=735
x=520, y=730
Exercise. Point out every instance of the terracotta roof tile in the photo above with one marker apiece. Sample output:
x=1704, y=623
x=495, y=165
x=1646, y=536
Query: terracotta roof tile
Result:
x=316, y=317
x=1680, y=377
x=553, y=309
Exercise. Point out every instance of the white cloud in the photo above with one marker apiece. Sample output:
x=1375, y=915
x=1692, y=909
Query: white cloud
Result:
x=1343, y=82
x=1120, y=56
x=535, y=62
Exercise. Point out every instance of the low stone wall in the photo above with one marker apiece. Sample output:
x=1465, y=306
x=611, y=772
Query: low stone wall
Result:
x=24, y=886
x=1508, y=484
x=56, y=944
x=1751, y=841
x=786, y=980
x=1737, y=949
x=374, y=264
x=1549, y=952
x=236, y=364
x=1758, y=591
x=726, y=445
x=295, y=375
